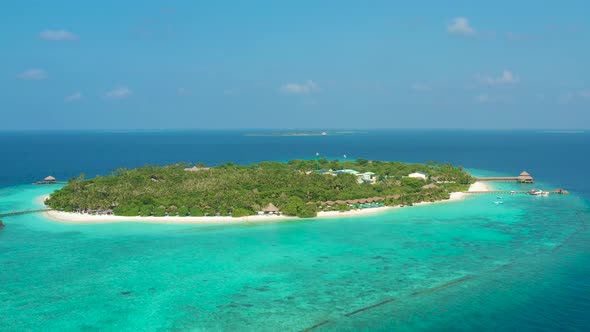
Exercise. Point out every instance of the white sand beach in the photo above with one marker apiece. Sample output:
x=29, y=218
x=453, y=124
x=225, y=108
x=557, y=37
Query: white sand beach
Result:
x=79, y=218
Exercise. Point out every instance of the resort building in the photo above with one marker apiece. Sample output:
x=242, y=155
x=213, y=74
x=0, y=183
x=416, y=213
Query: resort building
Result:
x=419, y=175
x=270, y=209
x=525, y=177
x=430, y=186
x=367, y=177
x=346, y=171
x=49, y=179
x=196, y=169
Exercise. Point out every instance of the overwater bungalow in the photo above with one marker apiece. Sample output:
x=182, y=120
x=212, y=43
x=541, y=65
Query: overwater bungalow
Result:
x=48, y=180
x=525, y=177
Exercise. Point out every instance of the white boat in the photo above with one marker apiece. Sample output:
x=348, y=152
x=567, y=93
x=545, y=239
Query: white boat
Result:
x=538, y=193
x=498, y=202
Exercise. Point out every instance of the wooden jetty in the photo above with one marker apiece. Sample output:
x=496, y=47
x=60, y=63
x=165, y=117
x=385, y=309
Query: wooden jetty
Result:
x=506, y=192
x=524, y=177
x=50, y=180
x=15, y=213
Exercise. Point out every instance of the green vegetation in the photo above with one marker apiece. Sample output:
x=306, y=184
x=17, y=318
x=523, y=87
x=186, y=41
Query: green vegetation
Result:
x=294, y=187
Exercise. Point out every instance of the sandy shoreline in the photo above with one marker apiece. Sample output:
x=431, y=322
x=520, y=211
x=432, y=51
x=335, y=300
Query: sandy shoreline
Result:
x=78, y=218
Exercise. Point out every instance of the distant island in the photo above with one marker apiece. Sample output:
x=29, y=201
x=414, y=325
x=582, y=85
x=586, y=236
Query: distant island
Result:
x=299, y=188
x=302, y=133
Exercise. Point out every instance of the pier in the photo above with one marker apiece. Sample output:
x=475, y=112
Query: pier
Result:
x=524, y=177
x=50, y=180
x=507, y=192
x=16, y=213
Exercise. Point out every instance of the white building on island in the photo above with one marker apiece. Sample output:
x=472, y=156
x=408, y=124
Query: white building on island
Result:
x=419, y=175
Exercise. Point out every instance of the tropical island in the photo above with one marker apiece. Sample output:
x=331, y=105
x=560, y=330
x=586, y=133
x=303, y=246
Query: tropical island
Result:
x=299, y=188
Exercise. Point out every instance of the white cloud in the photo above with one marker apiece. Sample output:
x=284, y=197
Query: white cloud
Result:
x=118, y=93
x=33, y=74
x=507, y=77
x=300, y=89
x=580, y=95
x=57, y=35
x=483, y=98
x=575, y=96
x=461, y=26
x=73, y=97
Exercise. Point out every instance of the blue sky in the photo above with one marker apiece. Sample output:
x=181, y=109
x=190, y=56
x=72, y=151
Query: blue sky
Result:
x=294, y=64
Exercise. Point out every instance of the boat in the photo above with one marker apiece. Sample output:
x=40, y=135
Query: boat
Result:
x=499, y=197
x=498, y=202
x=538, y=193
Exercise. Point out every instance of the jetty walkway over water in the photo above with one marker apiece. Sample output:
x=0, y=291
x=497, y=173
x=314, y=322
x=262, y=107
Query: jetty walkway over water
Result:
x=497, y=192
x=15, y=213
x=524, y=177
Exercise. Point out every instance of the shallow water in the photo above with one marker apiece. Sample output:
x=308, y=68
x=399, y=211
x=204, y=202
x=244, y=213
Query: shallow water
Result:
x=461, y=266
x=413, y=268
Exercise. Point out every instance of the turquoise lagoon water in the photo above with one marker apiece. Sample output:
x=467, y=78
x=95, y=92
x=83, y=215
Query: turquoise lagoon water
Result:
x=447, y=266
x=462, y=266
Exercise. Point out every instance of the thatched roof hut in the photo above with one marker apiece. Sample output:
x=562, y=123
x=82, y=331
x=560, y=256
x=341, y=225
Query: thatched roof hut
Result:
x=49, y=179
x=362, y=201
x=329, y=203
x=196, y=169
x=525, y=177
x=270, y=208
x=351, y=201
x=339, y=202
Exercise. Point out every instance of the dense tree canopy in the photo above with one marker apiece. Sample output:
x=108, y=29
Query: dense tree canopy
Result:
x=295, y=187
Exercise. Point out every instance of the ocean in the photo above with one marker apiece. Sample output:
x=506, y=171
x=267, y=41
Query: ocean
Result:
x=458, y=266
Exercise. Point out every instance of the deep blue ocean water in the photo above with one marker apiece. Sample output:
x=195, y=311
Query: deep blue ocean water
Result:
x=524, y=265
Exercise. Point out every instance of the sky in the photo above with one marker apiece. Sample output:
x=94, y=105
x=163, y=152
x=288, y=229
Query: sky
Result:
x=294, y=64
